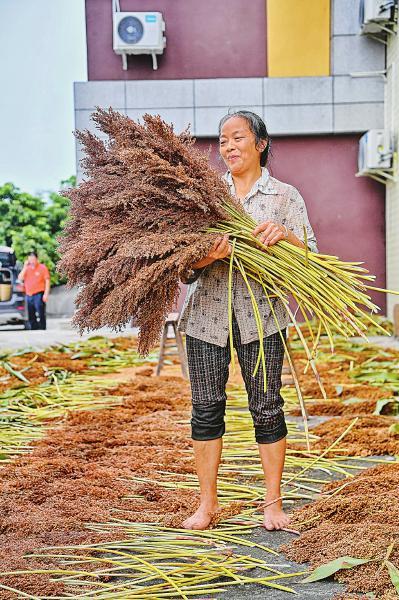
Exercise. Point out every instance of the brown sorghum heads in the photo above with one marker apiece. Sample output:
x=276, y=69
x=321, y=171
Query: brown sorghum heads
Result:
x=137, y=222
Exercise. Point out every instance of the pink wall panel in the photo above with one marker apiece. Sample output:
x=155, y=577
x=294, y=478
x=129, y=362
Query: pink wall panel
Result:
x=204, y=39
x=346, y=212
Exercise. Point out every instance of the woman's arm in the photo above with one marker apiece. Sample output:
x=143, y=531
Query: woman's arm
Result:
x=220, y=249
x=291, y=228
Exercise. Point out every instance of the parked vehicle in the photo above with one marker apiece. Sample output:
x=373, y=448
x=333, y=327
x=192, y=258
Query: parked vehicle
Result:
x=12, y=292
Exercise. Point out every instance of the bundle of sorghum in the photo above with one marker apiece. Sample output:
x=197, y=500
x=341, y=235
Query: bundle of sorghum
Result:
x=136, y=222
x=151, y=207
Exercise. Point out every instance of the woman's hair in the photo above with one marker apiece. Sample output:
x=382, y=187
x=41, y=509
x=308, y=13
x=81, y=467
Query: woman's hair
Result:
x=256, y=125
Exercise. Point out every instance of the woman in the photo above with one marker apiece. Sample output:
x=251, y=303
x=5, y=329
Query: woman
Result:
x=280, y=211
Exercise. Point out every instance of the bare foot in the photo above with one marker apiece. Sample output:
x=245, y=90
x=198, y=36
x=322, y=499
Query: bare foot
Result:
x=202, y=517
x=275, y=517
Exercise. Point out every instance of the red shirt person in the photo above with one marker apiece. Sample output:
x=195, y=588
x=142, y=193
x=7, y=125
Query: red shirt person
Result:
x=36, y=278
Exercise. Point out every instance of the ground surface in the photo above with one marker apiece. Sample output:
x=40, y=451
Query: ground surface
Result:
x=324, y=590
x=60, y=331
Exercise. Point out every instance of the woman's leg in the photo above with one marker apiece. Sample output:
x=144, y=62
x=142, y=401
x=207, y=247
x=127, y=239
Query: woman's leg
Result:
x=208, y=366
x=268, y=417
x=207, y=459
x=272, y=457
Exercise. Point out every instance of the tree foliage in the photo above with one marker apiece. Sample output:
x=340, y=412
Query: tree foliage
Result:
x=30, y=222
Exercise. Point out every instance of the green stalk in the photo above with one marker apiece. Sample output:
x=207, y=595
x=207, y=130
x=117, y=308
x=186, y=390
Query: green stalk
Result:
x=292, y=367
x=258, y=319
x=230, y=305
x=305, y=236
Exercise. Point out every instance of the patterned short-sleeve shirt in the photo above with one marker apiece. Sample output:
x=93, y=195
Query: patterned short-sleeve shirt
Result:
x=204, y=313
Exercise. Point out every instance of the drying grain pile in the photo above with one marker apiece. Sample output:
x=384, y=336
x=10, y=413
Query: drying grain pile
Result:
x=22, y=368
x=358, y=518
x=371, y=435
x=101, y=460
x=75, y=474
x=359, y=379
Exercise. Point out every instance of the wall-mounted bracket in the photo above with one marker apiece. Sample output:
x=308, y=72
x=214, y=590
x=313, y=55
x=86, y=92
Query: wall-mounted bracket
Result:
x=382, y=73
x=383, y=176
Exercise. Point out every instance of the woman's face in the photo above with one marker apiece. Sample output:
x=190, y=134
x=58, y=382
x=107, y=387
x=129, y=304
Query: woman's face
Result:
x=237, y=146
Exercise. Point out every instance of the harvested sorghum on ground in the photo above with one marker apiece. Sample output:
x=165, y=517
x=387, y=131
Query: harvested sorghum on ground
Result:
x=369, y=436
x=73, y=476
x=337, y=408
x=361, y=520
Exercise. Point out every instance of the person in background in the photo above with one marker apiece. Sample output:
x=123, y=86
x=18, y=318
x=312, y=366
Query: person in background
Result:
x=36, y=278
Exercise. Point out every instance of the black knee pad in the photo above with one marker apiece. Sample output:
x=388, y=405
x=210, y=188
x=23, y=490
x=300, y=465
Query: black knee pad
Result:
x=265, y=434
x=207, y=421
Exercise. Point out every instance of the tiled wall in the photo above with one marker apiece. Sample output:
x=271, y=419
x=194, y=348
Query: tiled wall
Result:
x=354, y=99
x=338, y=103
x=303, y=105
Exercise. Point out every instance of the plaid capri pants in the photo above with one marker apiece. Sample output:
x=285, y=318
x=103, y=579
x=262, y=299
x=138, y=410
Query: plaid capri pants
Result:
x=208, y=366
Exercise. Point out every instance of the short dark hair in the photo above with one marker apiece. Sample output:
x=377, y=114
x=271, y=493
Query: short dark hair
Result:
x=33, y=253
x=256, y=125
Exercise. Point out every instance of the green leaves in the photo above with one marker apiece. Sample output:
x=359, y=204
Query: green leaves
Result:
x=343, y=562
x=394, y=574
x=348, y=562
x=394, y=429
x=30, y=222
x=377, y=373
x=352, y=400
x=8, y=367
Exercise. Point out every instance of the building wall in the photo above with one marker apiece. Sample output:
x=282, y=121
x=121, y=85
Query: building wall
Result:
x=213, y=64
x=392, y=191
x=291, y=105
x=346, y=212
x=204, y=39
x=298, y=38
x=216, y=60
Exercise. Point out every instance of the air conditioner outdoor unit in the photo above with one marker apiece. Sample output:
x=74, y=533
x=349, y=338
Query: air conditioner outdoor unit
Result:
x=375, y=14
x=139, y=33
x=375, y=151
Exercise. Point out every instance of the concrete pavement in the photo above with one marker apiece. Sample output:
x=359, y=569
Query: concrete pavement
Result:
x=59, y=331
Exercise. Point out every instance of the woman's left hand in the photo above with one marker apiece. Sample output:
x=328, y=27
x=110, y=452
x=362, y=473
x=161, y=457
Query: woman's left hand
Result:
x=271, y=233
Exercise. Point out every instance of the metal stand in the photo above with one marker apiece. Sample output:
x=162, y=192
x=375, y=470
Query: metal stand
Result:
x=168, y=343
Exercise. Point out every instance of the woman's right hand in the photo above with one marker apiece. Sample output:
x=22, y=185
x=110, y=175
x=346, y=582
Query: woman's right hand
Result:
x=220, y=249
